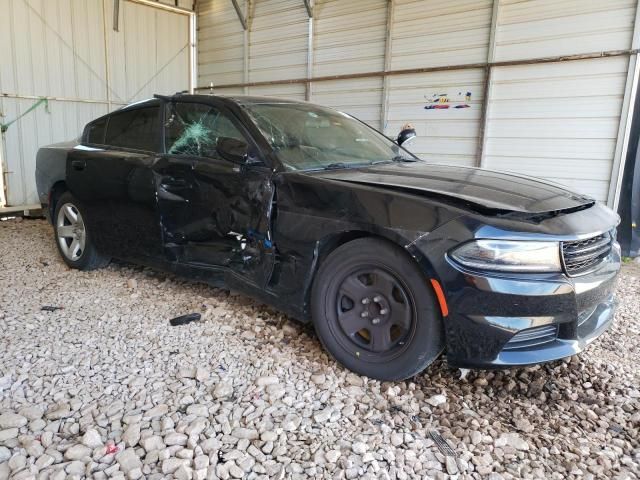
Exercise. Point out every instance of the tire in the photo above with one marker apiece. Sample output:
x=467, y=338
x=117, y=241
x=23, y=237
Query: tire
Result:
x=401, y=332
x=72, y=237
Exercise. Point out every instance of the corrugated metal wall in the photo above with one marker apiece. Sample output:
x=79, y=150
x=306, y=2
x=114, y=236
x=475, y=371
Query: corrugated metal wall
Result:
x=560, y=121
x=349, y=37
x=431, y=34
x=220, y=43
x=58, y=48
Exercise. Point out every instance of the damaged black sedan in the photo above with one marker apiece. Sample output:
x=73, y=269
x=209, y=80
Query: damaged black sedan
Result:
x=392, y=258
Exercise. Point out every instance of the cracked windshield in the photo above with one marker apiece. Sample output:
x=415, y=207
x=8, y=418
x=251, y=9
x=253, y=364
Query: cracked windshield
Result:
x=308, y=137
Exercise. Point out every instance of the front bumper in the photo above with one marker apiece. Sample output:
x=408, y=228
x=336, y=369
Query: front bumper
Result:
x=509, y=320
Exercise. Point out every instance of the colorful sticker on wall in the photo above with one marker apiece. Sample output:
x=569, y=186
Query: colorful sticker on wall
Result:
x=440, y=101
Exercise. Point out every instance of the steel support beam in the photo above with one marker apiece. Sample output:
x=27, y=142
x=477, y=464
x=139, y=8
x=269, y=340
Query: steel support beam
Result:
x=486, y=96
x=408, y=71
x=241, y=17
x=246, y=40
x=106, y=53
x=163, y=6
x=307, y=86
x=57, y=99
x=626, y=116
x=308, y=5
x=384, y=106
x=4, y=170
x=116, y=15
x=193, y=53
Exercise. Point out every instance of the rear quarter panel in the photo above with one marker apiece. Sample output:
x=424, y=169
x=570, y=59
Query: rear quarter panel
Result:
x=51, y=167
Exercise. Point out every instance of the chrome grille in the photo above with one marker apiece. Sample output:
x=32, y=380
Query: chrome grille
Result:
x=532, y=336
x=582, y=256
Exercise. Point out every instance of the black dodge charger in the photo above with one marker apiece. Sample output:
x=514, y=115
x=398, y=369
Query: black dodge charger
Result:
x=392, y=258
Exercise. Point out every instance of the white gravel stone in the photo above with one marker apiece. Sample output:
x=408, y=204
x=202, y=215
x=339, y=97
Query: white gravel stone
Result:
x=17, y=462
x=12, y=420
x=513, y=440
x=437, y=400
x=75, y=468
x=246, y=433
x=44, y=461
x=131, y=435
x=128, y=460
x=332, y=456
x=196, y=427
x=157, y=411
x=222, y=390
x=200, y=462
x=175, y=438
x=183, y=473
x=77, y=452
x=5, y=454
x=397, y=439
x=452, y=466
x=235, y=471
x=92, y=439
x=153, y=442
x=198, y=410
x=318, y=378
x=135, y=473
x=359, y=448
x=267, y=380
x=323, y=415
x=170, y=465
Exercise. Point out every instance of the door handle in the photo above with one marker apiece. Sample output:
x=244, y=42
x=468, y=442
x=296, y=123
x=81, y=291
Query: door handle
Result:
x=173, y=183
x=165, y=194
x=78, y=165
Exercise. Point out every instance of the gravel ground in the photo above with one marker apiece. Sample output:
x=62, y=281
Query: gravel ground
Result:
x=107, y=388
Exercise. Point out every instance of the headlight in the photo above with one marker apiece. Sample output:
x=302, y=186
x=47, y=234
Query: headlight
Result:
x=509, y=255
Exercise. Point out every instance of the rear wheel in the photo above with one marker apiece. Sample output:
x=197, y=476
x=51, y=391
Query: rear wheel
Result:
x=74, y=241
x=375, y=312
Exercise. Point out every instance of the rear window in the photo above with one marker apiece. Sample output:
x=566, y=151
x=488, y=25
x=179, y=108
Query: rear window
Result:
x=138, y=129
x=95, y=131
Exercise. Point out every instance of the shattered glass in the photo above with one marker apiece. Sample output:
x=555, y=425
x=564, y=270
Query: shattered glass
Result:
x=194, y=129
x=195, y=139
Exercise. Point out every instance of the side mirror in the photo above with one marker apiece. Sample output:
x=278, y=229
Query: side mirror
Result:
x=406, y=135
x=232, y=149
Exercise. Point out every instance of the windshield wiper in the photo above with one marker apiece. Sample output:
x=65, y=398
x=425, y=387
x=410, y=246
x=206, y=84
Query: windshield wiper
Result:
x=400, y=158
x=336, y=166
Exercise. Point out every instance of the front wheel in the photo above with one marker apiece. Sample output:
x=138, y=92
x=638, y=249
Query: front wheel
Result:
x=74, y=242
x=375, y=312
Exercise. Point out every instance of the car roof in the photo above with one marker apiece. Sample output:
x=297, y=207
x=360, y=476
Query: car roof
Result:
x=237, y=99
x=256, y=100
x=230, y=99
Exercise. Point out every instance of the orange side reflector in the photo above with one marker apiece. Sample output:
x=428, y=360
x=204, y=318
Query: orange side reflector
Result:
x=440, y=294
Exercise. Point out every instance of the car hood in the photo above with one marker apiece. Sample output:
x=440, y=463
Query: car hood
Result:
x=483, y=189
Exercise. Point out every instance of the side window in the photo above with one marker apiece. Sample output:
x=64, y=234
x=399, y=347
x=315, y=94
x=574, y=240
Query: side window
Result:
x=138, y=128
x=95, y=132
x=194, y=129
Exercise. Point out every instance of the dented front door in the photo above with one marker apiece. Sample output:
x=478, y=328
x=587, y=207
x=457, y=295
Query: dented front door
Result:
x=215, y=214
